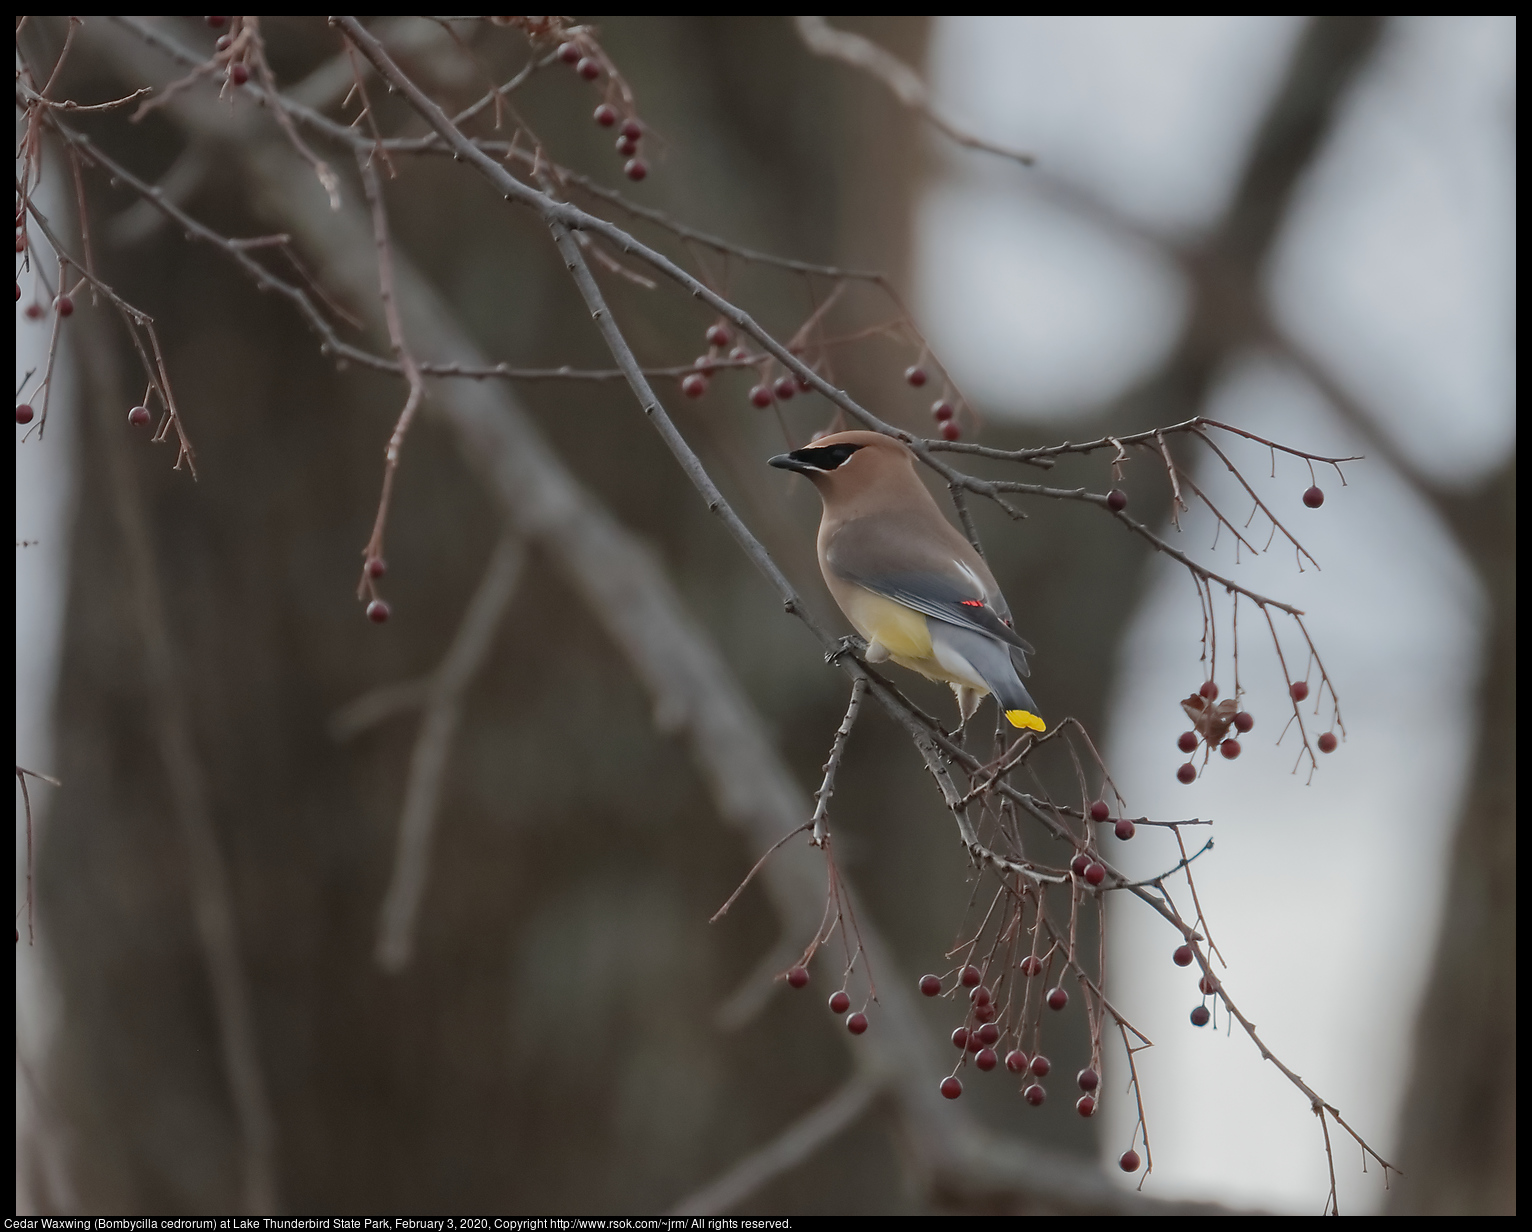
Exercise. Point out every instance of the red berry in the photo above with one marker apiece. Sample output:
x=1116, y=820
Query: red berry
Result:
x=786, y=387
x=139, y=417
x=377, y=567
x=1088, y=1079
x=64, y=304
x=1079, y=864
x=239, y=74
x=974, y=1042
x=18, y=285
x=606, y=115
x=1299, y=690
x=1327, y=742
x=588, y=69
x=23, y=414
x=988, y=1034
x=960, y=1038
x=1187, y=773
x=1035, y=1094
x=568, y=53
x=950, y=430
x=985, y=1012
x=1244, y=721
x=718, y=335
x=1129, y=1161
x=760, y=395
x=1207, y=986
x=21, y=246
x=34, y=311
x=1099, y=811
x=981, y=995
x=1016, y=1061
x=803, y=385
x=798, y=977
x=1040, y=1066
x=377, y=611
x=215, y=22
x=941, y=411
x=635, y=169
x=1200, y=1016
x=1031, y=965
x=1116, y=500
x=1229, y=748
x=1057, y=998
x=704, y=364
x=224, y=43
x=1095, y=873
x=1208, y=690
x=1183, y=956
x=840, y=1002
x=632, y=129
x=931, y=985
x=739, y=353
x=971, y=977
x=627, y=147
x=694, y=385
x=986, y=1059
x=856, y=1023
x=1124, y=829
x=1187, y=742
x=1313, y=498
x=1085, y=1105
x=951, y=1087
x=916, y=376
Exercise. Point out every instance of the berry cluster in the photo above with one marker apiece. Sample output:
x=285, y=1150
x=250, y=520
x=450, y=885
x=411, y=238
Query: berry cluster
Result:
x=587, y=63
x=984, y=1030
x=840, y=1000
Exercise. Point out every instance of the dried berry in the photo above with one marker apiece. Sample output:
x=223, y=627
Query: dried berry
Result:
x=1035, y=1094
x=1124, y=829
x=1088, y=1079
x=1299, y=690
x=1183, y=956
x=1040, y=1066
x=986, y=1059
x=1313, y=498
x=1079, y=864
x=139, y=418
x=1327, y=742
x=23, y=414
x=1187, y=773
x=1243, y=721
x=988, y=1034
x=1116, y=500
x=840, y=1002
x=798, y=977
x=1095, y=873
x=1099, y=811
x=1230, y=749
x=1031, y=965
x=1200, y=1016
x=1085, y=1105
x=856, y=1023
x=1016, y=1061
x=951, y=1087
x=930, y=985
x=1129, y=1161
x=1057, y=998
x=1208, y=690
x=1187, y=742
x=960, y=1038
x=971, y=978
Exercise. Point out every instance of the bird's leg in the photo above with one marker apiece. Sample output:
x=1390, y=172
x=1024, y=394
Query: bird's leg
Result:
x=853, y=645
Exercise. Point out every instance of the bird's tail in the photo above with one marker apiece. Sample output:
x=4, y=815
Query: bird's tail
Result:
x=991, y=660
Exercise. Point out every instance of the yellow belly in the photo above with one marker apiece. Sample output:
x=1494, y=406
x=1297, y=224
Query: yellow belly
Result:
x=903, y=632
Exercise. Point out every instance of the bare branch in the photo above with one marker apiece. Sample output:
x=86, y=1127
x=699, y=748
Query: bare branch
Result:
x=824, y=40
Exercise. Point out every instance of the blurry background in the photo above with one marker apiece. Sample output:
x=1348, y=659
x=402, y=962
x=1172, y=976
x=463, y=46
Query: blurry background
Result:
x=1301, y=228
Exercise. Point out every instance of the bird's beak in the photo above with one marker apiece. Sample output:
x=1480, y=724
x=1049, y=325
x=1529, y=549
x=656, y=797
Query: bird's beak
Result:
x=787, y=462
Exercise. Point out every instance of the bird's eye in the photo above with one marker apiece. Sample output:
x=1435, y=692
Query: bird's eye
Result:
x=825, y=457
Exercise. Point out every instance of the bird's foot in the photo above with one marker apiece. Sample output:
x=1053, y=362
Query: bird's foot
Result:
x=850, y=644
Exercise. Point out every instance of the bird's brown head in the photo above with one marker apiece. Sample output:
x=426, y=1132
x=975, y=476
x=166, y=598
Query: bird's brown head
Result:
x=854, y=468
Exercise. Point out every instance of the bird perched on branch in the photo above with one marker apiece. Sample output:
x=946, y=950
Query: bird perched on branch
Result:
x=910, y=584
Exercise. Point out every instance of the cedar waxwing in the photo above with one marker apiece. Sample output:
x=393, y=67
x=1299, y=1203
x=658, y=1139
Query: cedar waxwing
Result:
x=910, y=584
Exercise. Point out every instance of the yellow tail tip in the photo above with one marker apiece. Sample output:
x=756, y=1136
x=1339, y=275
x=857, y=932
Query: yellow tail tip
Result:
x=1025, y=718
